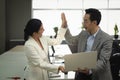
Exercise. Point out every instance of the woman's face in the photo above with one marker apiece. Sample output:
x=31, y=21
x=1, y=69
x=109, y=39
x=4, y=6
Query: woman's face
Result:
x=41, y=30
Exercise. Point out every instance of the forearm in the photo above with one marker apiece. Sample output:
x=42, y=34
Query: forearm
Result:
x=72, y=40
x=59, y=38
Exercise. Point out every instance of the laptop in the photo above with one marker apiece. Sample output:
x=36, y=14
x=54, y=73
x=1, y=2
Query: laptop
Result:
x=80, y=60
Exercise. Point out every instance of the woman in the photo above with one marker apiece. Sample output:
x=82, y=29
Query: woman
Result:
x=36, y=47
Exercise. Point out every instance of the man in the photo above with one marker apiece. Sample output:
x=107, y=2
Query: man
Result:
x=93, y=39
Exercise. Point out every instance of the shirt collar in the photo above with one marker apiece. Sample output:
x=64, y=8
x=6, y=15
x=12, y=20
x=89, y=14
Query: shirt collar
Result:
x=96, y=32
x=94, y=35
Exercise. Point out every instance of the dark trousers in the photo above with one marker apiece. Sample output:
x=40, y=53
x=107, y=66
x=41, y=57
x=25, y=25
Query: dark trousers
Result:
x=82, y=76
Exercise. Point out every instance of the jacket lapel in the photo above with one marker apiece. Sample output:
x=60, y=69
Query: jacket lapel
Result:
x=96, y=41
x=35, y=43
x=84, y=43
x=44, y=44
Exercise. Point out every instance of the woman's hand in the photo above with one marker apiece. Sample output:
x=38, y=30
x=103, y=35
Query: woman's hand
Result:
x=61, y=68
x=64, y=21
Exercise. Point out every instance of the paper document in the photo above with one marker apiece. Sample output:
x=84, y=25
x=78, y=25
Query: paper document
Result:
x=52, y=75
x=80, y=60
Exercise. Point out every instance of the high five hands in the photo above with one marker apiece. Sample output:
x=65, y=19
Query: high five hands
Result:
x=64, y=21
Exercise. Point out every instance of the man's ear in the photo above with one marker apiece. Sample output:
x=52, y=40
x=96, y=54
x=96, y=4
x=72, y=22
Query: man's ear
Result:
x=95, y=22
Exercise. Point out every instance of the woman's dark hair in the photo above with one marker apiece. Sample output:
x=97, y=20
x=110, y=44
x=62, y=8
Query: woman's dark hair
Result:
x=32, y=26
x=94, y=14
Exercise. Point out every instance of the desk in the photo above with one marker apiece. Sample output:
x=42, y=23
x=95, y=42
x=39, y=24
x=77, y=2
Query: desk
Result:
x=69, y=76
x=13, y=63
x=60, y=51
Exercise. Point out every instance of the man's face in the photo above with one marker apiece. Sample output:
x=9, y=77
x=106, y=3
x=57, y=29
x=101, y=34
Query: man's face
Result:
x=87, y=23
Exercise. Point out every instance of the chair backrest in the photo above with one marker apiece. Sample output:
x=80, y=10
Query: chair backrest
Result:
x=115, y=55
x=115, y=59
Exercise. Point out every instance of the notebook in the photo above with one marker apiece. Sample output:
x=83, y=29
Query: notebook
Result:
x=80, y=60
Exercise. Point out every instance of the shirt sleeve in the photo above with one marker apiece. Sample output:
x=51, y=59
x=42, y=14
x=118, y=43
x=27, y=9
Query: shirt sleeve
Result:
x=59, y=38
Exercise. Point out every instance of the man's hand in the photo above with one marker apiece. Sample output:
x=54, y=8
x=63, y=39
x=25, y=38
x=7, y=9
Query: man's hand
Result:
x=61, y=68
x=85, y=71
x=64, y=21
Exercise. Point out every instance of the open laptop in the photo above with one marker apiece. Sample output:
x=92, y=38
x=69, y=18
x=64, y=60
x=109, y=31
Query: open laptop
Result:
x=80, y=60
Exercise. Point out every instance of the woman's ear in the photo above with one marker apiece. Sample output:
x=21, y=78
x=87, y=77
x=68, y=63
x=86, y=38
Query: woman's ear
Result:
x=34, y=33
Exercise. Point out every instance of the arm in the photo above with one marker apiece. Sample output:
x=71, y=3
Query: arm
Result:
x=36, y=60
x=61, y=33
x=72, y=40
x=58, y=39
x=104, y=55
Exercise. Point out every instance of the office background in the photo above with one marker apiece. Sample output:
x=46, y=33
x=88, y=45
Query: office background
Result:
x=13, y=17
x=15, y=13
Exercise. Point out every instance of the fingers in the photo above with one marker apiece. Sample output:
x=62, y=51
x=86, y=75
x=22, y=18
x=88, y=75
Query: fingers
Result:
x=64, y=21
x=85, y=70
x=61, y=68
x=63, y=17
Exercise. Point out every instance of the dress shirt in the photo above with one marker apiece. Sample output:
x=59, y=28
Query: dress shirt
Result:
x=90, y=41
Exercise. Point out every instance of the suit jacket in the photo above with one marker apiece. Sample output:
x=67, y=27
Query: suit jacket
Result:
x=38, y=63
x=102, y=44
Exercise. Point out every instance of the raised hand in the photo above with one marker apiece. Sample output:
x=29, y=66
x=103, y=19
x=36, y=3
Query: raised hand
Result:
x=64, y=21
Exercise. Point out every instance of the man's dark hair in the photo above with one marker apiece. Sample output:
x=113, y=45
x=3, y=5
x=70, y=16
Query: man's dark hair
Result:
x=95, y=14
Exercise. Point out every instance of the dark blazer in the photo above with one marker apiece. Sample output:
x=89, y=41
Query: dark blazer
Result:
x=102, y=44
